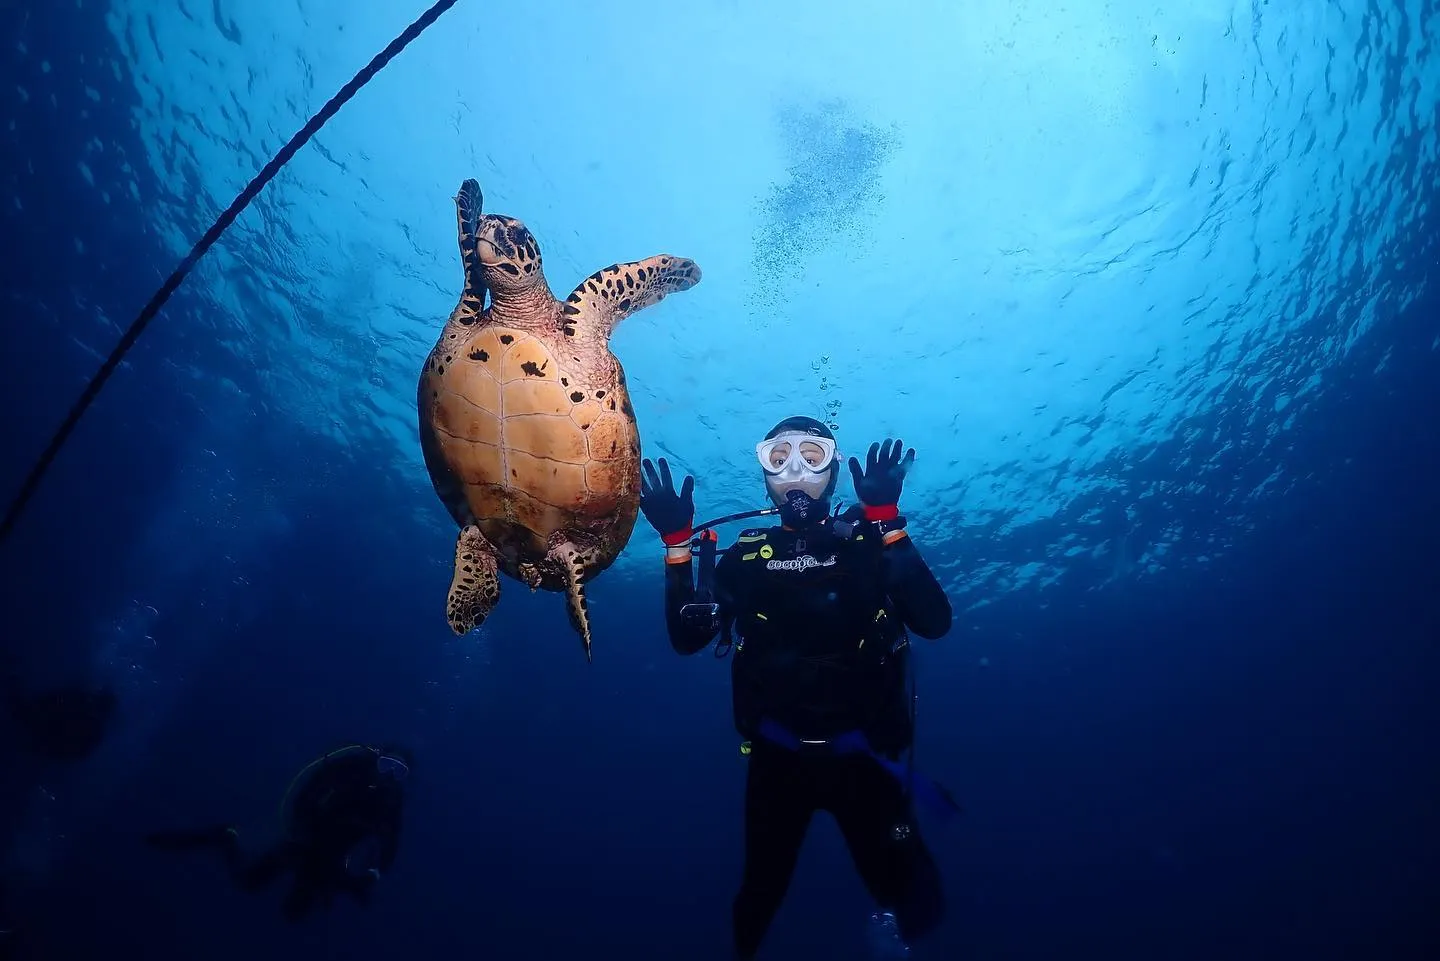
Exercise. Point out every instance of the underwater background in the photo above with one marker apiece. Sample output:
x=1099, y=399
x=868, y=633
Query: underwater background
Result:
x=1149, y=289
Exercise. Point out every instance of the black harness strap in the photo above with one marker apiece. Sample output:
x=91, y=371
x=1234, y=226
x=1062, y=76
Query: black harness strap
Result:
x=703, y=612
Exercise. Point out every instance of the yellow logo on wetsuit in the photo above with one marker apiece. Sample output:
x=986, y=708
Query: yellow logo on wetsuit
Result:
x=766, y=551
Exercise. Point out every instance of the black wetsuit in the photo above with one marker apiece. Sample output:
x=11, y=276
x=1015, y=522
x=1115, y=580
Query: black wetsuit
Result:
x=345, y=802
x=819, y=622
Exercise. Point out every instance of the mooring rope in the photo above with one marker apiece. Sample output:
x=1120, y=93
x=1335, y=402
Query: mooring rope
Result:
x=241, y=201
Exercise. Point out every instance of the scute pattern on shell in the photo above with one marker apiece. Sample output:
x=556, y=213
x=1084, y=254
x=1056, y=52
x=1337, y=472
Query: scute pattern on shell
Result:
x=538, y=447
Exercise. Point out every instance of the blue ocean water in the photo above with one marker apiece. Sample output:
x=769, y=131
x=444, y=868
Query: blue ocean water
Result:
x=1149, y=290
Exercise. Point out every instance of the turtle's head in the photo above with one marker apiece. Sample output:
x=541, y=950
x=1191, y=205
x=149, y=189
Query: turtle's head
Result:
x=509, y=255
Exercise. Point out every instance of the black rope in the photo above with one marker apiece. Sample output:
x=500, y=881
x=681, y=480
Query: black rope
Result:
x=137, y=327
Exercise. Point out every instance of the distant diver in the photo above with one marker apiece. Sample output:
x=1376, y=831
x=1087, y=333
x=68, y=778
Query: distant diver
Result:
x=340, y=830
x=820, y=609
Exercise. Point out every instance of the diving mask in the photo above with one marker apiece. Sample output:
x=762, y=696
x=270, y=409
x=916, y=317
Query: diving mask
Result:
x=795, y=454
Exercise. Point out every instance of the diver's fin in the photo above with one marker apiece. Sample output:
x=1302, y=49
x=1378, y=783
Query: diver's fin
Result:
x=475, y=584
x=610, y=295
x=571, y=558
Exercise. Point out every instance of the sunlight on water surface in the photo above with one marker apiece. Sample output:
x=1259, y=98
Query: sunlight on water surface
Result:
x=1084, y=259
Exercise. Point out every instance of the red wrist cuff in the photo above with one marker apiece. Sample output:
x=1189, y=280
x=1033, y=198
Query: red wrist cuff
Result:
x=676, y=538
x=888, y=512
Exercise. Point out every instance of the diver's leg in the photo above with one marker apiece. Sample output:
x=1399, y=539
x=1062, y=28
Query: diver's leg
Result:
x=317, y=872
x=247, y=874
x=260, y=872
x=777, y=813
x=320, y=874
x=300, y=899
x=878, y=824
x=358, y=887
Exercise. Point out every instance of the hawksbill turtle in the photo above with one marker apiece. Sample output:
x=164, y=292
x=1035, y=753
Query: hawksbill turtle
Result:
x=525, y=420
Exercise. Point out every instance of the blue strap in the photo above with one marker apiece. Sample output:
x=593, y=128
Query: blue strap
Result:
x=926, y=791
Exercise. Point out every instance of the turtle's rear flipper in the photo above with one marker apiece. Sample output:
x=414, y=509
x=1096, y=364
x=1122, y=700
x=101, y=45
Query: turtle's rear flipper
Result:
x=571, y=560
x=475, y=585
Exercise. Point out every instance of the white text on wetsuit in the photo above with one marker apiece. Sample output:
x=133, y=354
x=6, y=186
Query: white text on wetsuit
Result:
x=801, y=563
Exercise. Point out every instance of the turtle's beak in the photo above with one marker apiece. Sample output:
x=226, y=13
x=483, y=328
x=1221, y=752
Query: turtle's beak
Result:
x=489, y=256
x=493, y=241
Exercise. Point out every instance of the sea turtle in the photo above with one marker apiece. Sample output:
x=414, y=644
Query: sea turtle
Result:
x=525, y=420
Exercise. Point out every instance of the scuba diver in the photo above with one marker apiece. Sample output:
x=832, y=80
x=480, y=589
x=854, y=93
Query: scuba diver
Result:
x=817, y=612
x=340, y=829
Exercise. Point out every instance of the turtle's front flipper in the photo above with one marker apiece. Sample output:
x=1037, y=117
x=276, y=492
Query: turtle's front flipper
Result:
x=472, y=300
x=608, y=296
x=571, y=559
x=475, y=585
x=467, y=222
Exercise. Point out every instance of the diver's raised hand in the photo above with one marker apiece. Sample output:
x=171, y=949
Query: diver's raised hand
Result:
x=671, y=514
x=878, y=485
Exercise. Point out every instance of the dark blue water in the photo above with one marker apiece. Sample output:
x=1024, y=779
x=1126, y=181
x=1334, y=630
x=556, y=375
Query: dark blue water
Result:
x=1235, y=759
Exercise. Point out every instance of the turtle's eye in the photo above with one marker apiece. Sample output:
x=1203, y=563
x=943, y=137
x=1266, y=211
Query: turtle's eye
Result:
x=521, y=241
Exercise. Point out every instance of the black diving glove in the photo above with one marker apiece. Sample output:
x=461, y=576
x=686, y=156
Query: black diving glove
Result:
x=878, y=485
x=671, y=514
